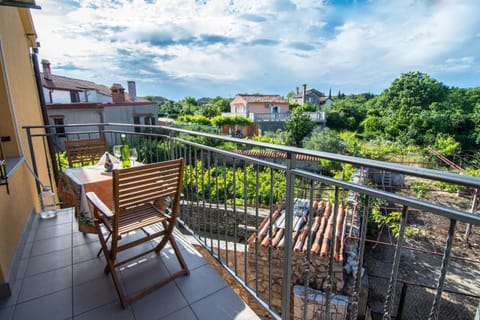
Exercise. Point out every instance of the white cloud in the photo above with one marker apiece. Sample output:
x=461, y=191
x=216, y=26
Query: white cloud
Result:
x=255, y=44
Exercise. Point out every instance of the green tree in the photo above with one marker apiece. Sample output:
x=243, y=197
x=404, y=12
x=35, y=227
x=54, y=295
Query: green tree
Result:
x=325, y=140
x=298, y=126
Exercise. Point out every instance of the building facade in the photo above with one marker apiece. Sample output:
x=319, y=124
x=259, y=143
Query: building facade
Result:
x=19, y=106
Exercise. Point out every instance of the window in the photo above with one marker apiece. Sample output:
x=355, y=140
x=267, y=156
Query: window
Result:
x=74, y=96
x=136, y=120
x=60, y=131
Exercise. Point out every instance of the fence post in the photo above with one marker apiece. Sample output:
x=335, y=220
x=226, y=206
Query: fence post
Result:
x=287, y=252
x=401, y=304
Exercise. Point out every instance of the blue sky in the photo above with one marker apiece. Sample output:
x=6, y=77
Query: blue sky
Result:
x=208, y=48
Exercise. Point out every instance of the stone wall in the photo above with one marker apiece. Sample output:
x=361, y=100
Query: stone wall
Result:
x=316, y=304
x=207, y=218
x=318, y=273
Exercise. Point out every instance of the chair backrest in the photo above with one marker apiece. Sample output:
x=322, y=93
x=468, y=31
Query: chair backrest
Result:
x=151, y=183
x=86, y=151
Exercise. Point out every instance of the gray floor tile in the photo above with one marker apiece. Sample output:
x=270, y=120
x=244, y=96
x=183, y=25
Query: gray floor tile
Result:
x=93, y=294
x=85, y=252
x=205, y=278
x=45, y=246
x=183, y=314
x=192, y=258
x=49, y=262
x=159, y=303
x=64, y=216
x=80, y=238
x=88, y=270
x=6, y=313
x=55, y=306
x=223, y=304
x=45, y=283
x=143, y=272
x=113, y=311
x=53, y=231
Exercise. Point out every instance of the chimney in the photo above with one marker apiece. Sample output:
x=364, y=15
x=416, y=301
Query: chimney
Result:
x=297, y=92
x=132, y=90
x=47, y=73
x=118, y=93
x=304, y=93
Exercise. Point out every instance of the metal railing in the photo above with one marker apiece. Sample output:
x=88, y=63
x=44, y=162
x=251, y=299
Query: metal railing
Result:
x=229, y=198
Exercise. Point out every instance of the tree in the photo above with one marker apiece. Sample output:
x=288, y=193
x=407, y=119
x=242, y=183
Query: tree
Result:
x=325, y=140
x=298, y=126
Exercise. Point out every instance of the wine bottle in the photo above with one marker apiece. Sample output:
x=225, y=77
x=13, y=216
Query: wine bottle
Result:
x=125, y=152
x=108, y=163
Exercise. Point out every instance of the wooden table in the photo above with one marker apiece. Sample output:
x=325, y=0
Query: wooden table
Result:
x=74, y=183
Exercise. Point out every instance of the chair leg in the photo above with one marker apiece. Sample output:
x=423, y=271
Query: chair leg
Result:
x=179, y=256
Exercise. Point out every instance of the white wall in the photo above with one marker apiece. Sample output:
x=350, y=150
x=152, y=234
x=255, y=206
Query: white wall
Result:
x=63, y=96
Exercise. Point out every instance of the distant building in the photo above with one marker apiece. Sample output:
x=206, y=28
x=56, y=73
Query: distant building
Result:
x=75, y=101
x=249, y=105
x=312, y=96
x=202, y=101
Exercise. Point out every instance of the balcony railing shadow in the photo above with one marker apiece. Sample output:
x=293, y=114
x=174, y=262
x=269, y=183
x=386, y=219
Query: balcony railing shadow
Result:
x=283, y=227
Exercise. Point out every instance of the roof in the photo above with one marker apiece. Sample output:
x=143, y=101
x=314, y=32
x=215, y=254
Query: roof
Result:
x=96, y=105
x=274, y=155
x=309, y=92
x=261, y=98
x=320, y=233
x=64, y=83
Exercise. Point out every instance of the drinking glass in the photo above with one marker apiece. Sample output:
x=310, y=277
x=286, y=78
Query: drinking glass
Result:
x=133, y=156
x=117, y=151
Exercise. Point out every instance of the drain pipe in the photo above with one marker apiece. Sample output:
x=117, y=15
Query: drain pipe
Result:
x=41, y=97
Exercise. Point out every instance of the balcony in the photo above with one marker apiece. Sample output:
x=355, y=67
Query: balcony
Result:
x=318, y=117
x=294, y=238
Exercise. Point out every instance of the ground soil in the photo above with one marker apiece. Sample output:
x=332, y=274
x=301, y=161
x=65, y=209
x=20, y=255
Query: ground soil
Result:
x=421, y=261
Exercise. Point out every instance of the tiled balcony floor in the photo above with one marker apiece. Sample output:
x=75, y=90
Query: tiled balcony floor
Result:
x=60, y=277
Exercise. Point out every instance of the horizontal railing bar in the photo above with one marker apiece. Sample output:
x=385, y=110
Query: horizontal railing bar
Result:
x=234, y=155
x=387, y=166
x=447, y=212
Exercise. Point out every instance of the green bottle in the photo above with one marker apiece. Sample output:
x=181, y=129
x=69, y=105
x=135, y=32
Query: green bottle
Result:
x=125, y=152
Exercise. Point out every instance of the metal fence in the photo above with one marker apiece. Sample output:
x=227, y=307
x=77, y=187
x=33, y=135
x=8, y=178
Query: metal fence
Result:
x=229, y=197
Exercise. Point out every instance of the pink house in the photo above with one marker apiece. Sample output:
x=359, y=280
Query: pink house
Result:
x=257, y=106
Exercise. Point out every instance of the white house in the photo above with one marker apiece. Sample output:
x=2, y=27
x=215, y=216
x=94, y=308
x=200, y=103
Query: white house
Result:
x=74, y=101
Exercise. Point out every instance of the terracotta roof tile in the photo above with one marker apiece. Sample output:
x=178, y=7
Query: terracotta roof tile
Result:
x=274, y=155
x=261, y=98
x=320, y=234
x=59, y=82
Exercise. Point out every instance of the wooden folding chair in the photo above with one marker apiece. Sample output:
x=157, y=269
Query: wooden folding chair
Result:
x=139, y=202
x=85, y=152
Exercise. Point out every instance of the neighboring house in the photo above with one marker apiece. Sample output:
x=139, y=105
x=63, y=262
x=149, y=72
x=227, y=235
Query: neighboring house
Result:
x=58, y=89
x=19, y=106
x=74, y=101
x=312, y=96
x=203, y=101
x=259, y=107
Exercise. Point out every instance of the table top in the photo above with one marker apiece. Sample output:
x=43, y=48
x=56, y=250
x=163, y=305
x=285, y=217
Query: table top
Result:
x=88, y=174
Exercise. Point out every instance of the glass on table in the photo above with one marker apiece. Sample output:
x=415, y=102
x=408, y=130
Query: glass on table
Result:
x=133, y=156
x=117, y=152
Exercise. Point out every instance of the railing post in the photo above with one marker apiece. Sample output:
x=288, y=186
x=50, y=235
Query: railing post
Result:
x=32, y=155
x=287, y=264
x=388, y=307
x=443, y=271
x=361, y=252
x=172, y=145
